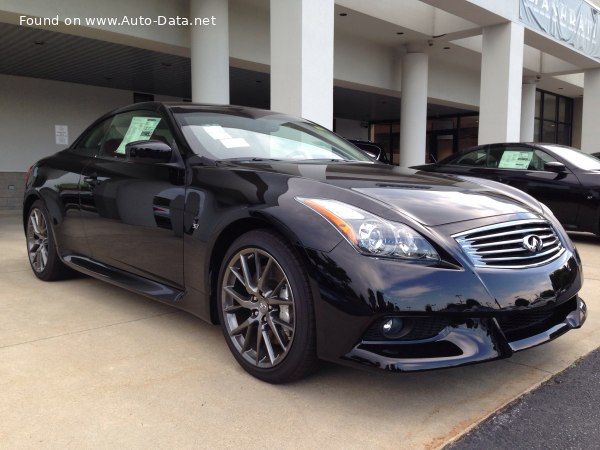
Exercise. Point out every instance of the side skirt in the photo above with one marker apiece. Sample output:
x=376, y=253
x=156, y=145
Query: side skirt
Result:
x=152, y=289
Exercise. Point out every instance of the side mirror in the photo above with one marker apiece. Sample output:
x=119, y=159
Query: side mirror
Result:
x=149, y=151
x=555, y=166
x=375, y=154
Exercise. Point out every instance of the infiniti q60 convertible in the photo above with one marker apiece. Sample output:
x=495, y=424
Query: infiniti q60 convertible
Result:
x=298, y=244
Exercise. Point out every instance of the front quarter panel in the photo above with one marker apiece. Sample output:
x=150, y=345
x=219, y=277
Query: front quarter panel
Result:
x=218, y=198
x=55, y=180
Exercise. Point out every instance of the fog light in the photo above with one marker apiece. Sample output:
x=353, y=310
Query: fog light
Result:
x=393, y=328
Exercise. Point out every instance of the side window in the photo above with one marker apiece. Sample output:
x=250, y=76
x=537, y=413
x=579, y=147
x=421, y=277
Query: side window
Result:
x=91, y=143
x=540, y=158
x=134, y=126
x=518, y=158
x=474, y=158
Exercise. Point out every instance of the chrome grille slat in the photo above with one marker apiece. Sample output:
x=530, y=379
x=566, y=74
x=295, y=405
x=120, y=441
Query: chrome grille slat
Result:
x=512, y=241
x=533, y=230
x=520, y=258
x=512, y=249
x=502, y=245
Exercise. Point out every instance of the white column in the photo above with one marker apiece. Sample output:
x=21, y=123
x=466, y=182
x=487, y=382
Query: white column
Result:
x=302, y=59
x=501, y=78
x=413, y=107
x=210, y=52
x=590, y=129
x=528, y=110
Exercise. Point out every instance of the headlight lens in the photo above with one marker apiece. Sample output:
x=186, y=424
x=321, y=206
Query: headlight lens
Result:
x=370, y=234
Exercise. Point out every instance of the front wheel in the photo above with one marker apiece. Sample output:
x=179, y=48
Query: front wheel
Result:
x=266, y=308
x=41, y=248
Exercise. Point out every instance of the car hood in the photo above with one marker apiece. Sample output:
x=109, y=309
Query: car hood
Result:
x=430, y=199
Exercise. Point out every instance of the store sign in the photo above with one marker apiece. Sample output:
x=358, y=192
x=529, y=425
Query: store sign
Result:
x=573, y=22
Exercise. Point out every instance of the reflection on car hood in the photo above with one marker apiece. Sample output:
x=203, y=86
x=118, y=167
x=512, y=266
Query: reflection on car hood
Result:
x=430, y=199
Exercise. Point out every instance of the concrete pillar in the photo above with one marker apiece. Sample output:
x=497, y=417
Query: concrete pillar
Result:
x=501, y=79
x=302, y=59
x=590, y=131
x=210, y=52
x=528, y=110
x=413, y=107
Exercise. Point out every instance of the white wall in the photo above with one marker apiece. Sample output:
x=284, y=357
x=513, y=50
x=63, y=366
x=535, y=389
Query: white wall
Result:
x=31, y=107
x=362, y=62
x=351, y=129
x=249, y=33
x=453, y=84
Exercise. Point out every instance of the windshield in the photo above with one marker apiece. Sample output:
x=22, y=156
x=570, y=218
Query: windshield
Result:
x=576, y=157
x=229, y=135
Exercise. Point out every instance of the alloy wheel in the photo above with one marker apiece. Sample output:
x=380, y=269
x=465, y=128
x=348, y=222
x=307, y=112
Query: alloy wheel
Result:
x=37, y=240
x=258, y=307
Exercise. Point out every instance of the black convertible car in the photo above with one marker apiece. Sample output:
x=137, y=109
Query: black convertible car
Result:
x=298, y=244
x=561, y=177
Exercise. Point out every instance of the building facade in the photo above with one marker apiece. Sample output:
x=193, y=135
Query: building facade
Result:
x=424, y=78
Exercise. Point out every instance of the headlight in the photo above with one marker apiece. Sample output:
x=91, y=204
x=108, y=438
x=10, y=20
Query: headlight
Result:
x=370, y=234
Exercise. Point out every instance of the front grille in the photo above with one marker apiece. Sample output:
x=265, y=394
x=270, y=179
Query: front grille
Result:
x=503, y=245
x=518, y=325
x=438, y=349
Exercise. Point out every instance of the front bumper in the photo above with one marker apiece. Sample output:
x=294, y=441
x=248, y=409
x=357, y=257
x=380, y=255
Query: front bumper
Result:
x=463, y=315
x=469, y=341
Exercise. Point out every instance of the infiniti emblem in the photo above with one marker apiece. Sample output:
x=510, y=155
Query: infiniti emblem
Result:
x=532, y=243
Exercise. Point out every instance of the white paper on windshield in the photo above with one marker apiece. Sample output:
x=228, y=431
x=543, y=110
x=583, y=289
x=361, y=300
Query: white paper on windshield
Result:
x=140, y=129
x=234, y=143
x=216, y=132
x=515, y=159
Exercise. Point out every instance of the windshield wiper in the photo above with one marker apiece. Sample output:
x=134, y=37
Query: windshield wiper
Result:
x=246, y=159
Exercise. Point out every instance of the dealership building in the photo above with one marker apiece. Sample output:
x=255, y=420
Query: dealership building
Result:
x=424, y=78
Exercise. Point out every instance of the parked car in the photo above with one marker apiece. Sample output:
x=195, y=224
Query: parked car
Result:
x=299, y=245
x=563, y=178
x=374, y=150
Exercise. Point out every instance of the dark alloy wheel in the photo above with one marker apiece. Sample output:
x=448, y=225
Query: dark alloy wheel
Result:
x=266, y=308
x=43, y=255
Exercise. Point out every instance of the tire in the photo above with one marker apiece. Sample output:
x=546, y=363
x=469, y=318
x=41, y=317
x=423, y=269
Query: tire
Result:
x=272, y=297
x=41, y=247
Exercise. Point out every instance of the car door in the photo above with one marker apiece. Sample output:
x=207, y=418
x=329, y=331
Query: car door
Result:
x=63, y=172
x=524, y=167
x=134, y=210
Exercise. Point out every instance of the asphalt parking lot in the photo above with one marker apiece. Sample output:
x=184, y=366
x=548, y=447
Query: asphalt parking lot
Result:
x=87, y=365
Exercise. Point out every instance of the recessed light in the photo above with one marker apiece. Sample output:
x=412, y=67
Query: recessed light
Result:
x=39, y=42
x=343, y=14
x=560, y=89
x=259, y=81
x=446, y=48
x=399, y=33
x=167, y=64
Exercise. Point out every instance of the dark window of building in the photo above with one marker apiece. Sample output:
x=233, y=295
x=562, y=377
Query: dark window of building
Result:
x=553, y=118
x=139, y=97
x=445, y=136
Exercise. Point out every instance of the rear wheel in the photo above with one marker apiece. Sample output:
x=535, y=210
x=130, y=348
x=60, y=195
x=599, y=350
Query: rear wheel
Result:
x=266, y=308
x=41, y=248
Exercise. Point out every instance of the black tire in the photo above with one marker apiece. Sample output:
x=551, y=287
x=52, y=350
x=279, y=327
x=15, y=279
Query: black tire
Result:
x=41, y=247
x=266, y=310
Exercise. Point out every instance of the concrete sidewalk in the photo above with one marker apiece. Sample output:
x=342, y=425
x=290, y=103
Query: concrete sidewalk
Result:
x=87, y=365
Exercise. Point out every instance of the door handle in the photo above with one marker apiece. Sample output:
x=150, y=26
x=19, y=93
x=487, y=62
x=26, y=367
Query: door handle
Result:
x=91, y=179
